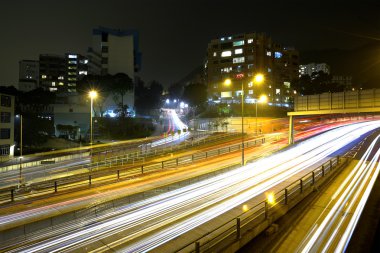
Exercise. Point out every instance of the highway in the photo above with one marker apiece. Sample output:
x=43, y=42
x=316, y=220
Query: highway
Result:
x=333, y=229
x=147, y=224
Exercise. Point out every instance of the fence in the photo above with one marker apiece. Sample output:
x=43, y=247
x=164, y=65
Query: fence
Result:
x=100, y=172
x=232, y=231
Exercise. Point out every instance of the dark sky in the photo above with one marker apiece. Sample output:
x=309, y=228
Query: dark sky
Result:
x=174, y=34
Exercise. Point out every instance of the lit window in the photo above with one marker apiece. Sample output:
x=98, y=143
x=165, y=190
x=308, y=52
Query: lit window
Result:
x=222, y=39
x=43, y=76
x=238, y=60
x=52, y=83
x=250, y=92
x=269, y=70
x=214, y=54
x=269, y=53
x=287, y=84
x=72, y=67
x=250, y=66
x=270, y=86
x=277, y=55
x=239, y=51
x=52, y=89
x=277, y=91
x=250, y=84
x=82, y=72
x=60, y=78
x=230, y=38
x=250, y=41
x=226, y=53
x=60, y=83
x=72, y=62
x=226, y=94
x=238, y=43
x=72, y=73
x=72, y=56
x=85, y=61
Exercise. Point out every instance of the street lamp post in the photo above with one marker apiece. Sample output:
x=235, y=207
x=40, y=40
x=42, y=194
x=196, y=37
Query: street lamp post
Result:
x=259, y=78
x=93, y=94
x=20, y=158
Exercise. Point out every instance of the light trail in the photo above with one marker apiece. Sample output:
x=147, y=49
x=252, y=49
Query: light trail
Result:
x=338, y=221
x=169, y=215
x=177, y=124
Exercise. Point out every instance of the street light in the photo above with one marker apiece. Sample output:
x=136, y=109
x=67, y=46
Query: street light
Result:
x=20, y=176
x=92, y=94
x=258, y=79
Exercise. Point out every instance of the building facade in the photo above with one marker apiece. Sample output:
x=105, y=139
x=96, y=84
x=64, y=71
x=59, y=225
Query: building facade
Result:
x=28, y=75
x=7, y=107
x=76, y=69
x=309, y=69
x=52, y=72
x=239, y=58
x=115, y=51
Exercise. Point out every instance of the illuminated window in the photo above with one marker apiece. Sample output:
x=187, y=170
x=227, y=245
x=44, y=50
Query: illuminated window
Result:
x=85, y=61
x=269, y=53
x=226, y=70
x=250, y=84
x=72, y=62
x=52, y=83
x=250, y=92
x=72, y=73
x=222, y=39
x=250, y=41
x=238, y=43
x=72, y=67
x=226, y=53
x=287, y=84
x=277, y=55
x=52, y=89
x=226, y=94
x=239, y=51
x=269, y=70
x=60, y=83
x=43, y=76
x=238, y=60
x=250, y=66
x=72, y=79
x=82, y=72
x=277, y=91
x=72, y=56
x=60, y=78
x=270, y=86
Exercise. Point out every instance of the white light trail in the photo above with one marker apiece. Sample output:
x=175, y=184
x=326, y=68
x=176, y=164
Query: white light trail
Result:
x=203, y=201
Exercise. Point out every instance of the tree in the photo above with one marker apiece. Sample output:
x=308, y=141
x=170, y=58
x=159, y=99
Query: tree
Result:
x=120, y=85
x=195, y=94
x=175, y=91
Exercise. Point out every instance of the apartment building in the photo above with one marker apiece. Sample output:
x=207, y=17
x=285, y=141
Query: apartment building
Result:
x=7, y=107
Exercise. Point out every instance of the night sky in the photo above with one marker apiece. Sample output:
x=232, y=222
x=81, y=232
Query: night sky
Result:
x=174, y=34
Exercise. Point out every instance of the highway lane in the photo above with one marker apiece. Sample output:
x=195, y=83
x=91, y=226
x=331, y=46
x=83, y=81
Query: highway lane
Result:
x=191, y=206
x=333, y=230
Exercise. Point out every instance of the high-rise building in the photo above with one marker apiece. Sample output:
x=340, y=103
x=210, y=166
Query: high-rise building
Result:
x=115, y=51
x=7, y=107
x=76, y=69
x=28, y=75
x=309, y=69
x=52, y=72
x=61, y=73
x=239, y=58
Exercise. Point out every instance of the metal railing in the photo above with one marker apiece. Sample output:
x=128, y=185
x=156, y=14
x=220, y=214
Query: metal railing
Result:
x=231, y=231
x=102, y=172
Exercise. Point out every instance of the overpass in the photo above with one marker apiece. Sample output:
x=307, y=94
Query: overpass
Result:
x=359, y=101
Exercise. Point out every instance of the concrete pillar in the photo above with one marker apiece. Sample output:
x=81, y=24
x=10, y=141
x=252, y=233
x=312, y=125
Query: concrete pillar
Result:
x=291, y=130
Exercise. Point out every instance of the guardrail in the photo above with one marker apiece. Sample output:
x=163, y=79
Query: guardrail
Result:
x=232, y=231
x=39, y=162
x=101, y=173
